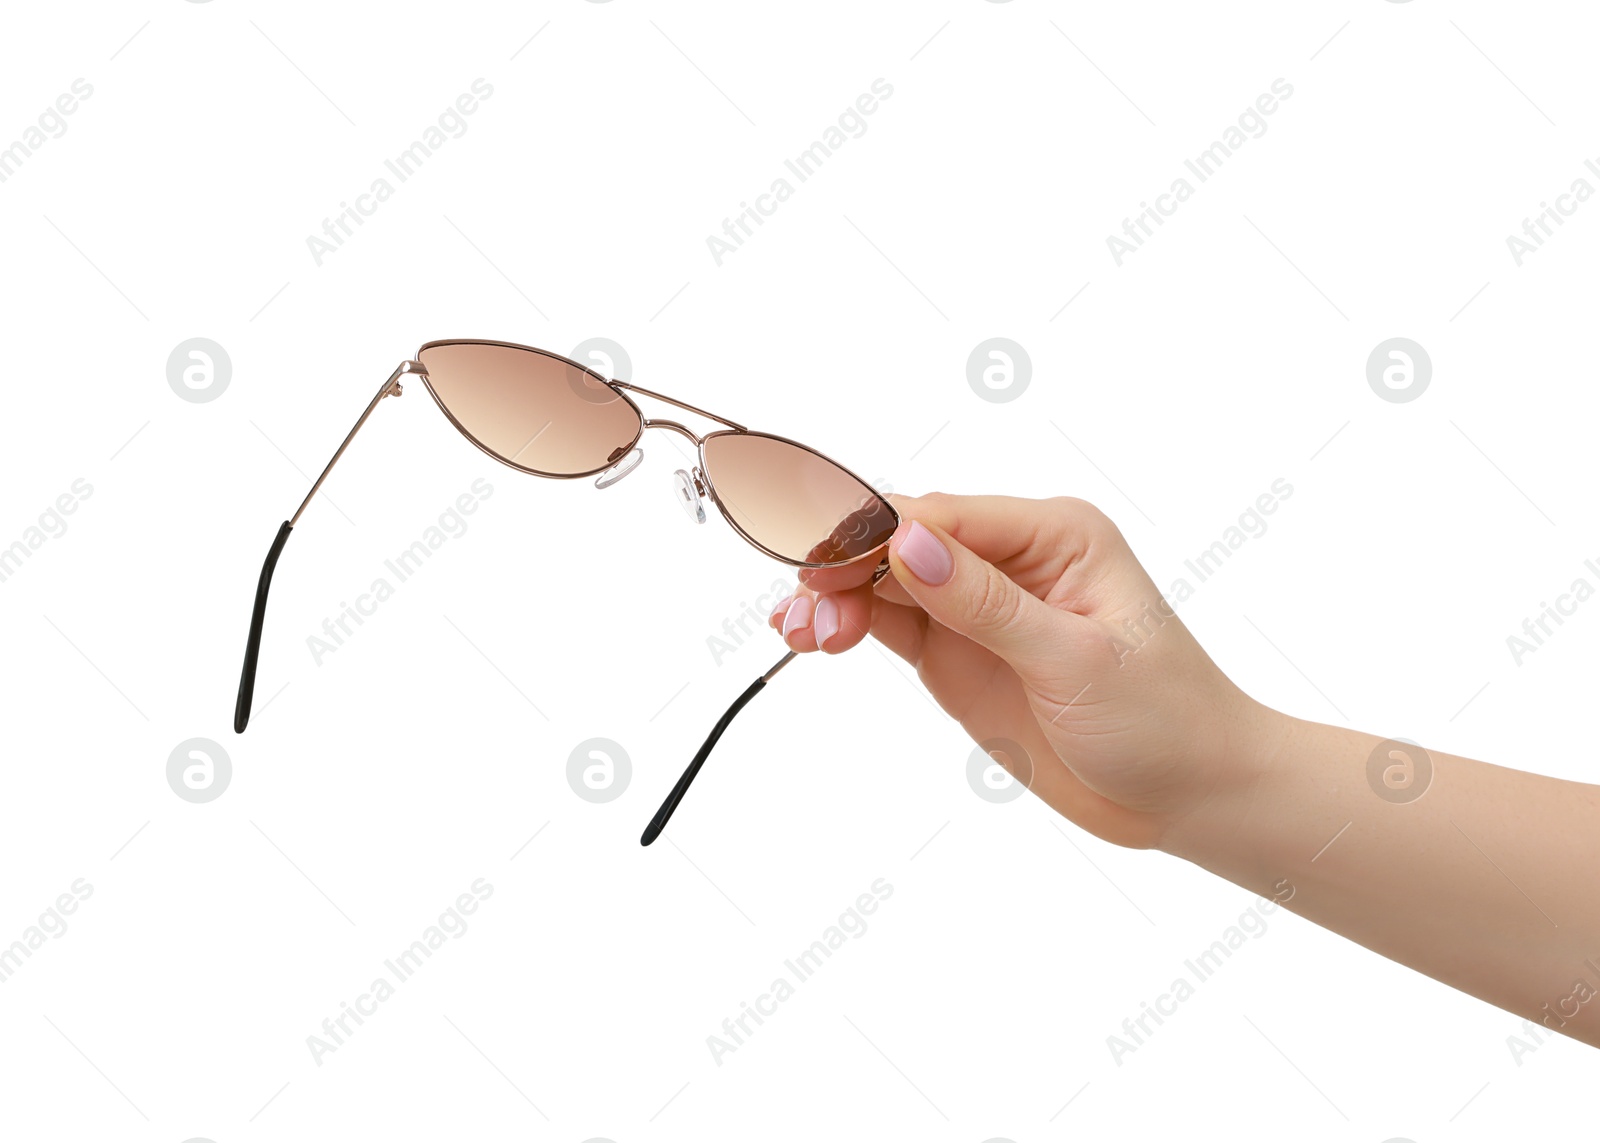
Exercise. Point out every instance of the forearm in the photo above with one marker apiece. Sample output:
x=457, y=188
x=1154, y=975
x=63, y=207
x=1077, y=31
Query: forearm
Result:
x=1485, y=881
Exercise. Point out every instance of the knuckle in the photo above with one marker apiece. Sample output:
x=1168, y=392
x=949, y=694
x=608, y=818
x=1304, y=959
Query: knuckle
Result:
x=1086, y=523
x=997, y=603
x=1080, y=513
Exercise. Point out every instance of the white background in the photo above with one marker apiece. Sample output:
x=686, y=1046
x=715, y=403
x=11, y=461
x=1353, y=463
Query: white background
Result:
x=372, y=790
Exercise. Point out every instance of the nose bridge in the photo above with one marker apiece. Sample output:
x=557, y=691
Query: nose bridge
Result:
x=680, y=404
x=663, y=423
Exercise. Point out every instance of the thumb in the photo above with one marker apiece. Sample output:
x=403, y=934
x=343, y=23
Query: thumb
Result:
x=971, y=596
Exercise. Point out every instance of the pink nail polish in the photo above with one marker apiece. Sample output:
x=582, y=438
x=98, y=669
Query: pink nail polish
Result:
x=777, y=608
x=799, y=615
x=929, y=560
x=825, y=621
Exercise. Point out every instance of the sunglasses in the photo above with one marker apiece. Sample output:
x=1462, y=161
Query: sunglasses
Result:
x=546, y=415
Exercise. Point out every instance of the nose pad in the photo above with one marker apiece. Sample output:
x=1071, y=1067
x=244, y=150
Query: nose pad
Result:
x=617, y=471
x=686, y=488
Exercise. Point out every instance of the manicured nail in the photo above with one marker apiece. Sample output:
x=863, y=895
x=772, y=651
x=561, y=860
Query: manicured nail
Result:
x=927, y=558
x=799, y=615
x=777, y=608
x=825, y=622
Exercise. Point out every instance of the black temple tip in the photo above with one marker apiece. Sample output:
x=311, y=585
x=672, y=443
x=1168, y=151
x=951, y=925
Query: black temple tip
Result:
x=664, y=814
x=252, y=647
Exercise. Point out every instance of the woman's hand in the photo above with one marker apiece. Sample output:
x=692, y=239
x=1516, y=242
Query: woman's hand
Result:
x=1031, y=621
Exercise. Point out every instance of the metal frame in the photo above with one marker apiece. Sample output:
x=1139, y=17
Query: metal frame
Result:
x=704, y=482
x=702, y=473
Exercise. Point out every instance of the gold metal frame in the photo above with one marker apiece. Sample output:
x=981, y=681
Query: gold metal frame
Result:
x=702, y=472
x=703, y=481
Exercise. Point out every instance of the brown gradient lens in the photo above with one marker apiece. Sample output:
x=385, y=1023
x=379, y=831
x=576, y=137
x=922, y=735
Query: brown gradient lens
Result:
x=531, y=409
x=798, y=505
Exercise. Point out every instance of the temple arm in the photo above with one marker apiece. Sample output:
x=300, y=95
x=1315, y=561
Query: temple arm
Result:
x=659, y=822
x=252, y=647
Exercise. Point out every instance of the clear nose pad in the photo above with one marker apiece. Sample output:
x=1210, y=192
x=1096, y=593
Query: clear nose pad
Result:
x=617, y=471
x=687, y=490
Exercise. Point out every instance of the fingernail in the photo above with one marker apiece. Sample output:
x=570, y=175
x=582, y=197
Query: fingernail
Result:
x=777, y=608
x=826, y=621
x=927, y=558
x=799, y=615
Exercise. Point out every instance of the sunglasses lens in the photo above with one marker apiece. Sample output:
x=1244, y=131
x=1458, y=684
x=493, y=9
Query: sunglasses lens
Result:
x=533, y=410
x=794, y=503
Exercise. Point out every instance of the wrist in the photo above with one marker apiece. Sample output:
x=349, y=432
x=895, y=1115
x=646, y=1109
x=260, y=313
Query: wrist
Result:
x=1227, y=830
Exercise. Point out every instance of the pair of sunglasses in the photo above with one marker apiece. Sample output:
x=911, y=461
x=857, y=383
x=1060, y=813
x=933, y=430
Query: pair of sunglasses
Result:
x=549, y=416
